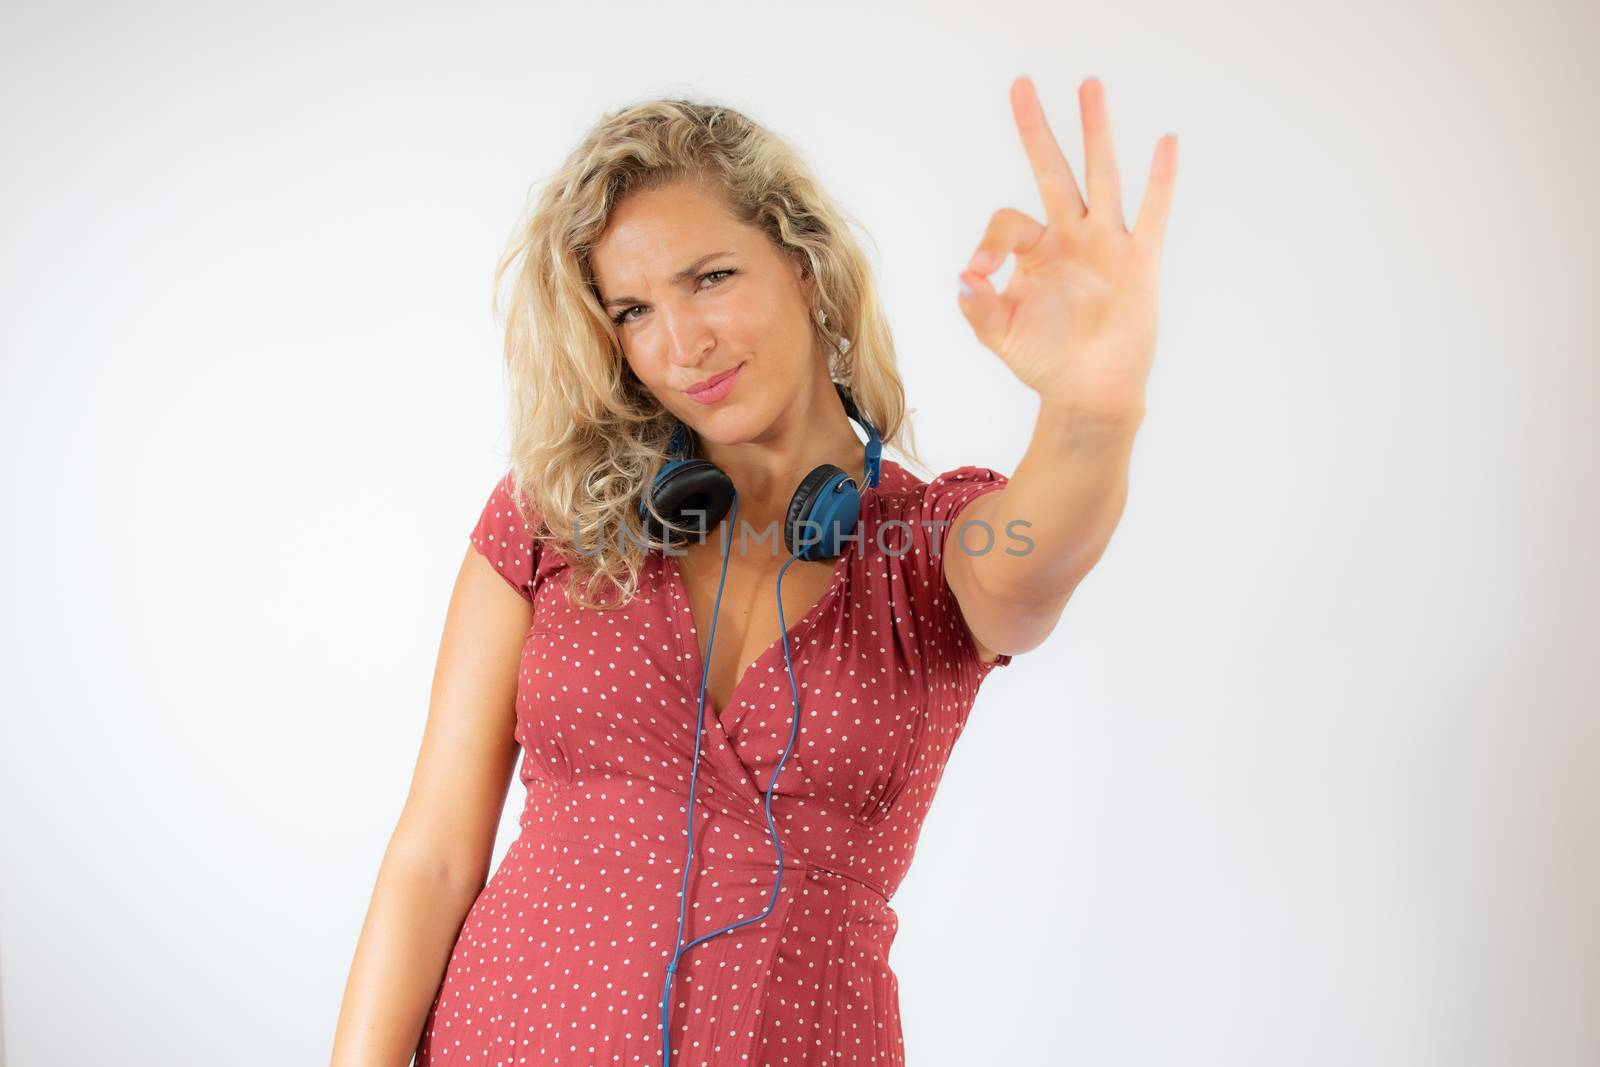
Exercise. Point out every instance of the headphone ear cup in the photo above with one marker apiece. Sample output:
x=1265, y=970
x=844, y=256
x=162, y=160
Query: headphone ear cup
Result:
x=693, y=495
x=822, y=513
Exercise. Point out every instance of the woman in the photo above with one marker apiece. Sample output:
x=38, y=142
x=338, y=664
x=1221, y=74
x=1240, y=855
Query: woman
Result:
x=684, y=289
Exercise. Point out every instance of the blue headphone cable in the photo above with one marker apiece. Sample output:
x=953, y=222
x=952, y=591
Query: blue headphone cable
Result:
x=794, y=731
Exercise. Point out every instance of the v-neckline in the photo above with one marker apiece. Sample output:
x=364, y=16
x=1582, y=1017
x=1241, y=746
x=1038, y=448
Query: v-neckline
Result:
x=690, y=634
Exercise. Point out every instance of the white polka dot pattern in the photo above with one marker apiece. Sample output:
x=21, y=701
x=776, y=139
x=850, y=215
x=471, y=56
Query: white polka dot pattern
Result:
x=562, y=957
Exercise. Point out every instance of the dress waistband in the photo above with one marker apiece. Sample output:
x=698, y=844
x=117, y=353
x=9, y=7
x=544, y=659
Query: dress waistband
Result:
x=850, y=875
x=822, y=840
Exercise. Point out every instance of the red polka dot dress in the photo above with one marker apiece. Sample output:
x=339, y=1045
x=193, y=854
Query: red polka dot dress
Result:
x=561, y=960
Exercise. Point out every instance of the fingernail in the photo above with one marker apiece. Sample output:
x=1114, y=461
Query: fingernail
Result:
x=966, y=291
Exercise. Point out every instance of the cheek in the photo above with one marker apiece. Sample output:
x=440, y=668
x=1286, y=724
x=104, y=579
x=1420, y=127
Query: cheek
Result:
x=647, y=370
x=653, y=374
x=768, y=323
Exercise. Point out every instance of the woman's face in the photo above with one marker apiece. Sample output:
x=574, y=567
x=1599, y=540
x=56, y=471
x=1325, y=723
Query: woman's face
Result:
x=694, y=293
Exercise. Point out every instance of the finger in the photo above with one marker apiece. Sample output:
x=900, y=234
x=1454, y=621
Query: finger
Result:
x=984, y=309
x=1100, y=160
x=1009, y=232
x=1151, y=229
x=1057, y=187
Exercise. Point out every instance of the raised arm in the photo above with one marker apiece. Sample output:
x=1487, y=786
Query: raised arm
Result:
x=1077, y=324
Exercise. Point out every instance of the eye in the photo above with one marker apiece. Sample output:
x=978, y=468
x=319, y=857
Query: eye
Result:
x=622, y=316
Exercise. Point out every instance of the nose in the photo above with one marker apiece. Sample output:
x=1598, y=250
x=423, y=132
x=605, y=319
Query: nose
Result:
x=687, y=338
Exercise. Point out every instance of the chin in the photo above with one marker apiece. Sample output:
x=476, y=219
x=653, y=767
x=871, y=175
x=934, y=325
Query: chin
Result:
x=729, y=424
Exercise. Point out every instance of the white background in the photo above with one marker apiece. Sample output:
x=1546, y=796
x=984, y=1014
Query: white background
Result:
x=1308, y=772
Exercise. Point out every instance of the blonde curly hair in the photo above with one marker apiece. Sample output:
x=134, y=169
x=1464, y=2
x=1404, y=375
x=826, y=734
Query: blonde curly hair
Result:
x=586, y=435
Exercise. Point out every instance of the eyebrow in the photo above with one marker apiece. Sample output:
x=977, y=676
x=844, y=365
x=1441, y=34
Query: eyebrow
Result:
x=683, y=275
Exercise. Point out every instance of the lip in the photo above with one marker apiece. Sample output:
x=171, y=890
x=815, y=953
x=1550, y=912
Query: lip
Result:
x=716, y=387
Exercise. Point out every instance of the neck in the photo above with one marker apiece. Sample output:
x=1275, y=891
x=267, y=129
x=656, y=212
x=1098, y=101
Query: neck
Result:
x=809, y=432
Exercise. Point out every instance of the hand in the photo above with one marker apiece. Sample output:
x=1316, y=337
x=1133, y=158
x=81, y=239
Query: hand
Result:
x=1077, y=320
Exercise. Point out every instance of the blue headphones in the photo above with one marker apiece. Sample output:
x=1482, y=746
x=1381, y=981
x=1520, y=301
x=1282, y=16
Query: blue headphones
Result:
x=822, y=512
x=822, y=515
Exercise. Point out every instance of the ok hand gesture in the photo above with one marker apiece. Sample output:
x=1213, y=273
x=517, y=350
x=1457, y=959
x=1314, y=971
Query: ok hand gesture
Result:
x=1077, y=319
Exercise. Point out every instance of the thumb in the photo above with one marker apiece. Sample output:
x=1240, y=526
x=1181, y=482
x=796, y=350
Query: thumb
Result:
x=981, y=305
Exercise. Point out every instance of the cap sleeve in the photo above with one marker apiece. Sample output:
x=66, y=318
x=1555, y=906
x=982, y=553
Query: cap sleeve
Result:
x=504, y=539
x=934, y=533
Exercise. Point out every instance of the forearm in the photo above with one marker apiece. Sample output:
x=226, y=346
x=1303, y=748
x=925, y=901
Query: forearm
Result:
x=410, y=929
x=1070, y=488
